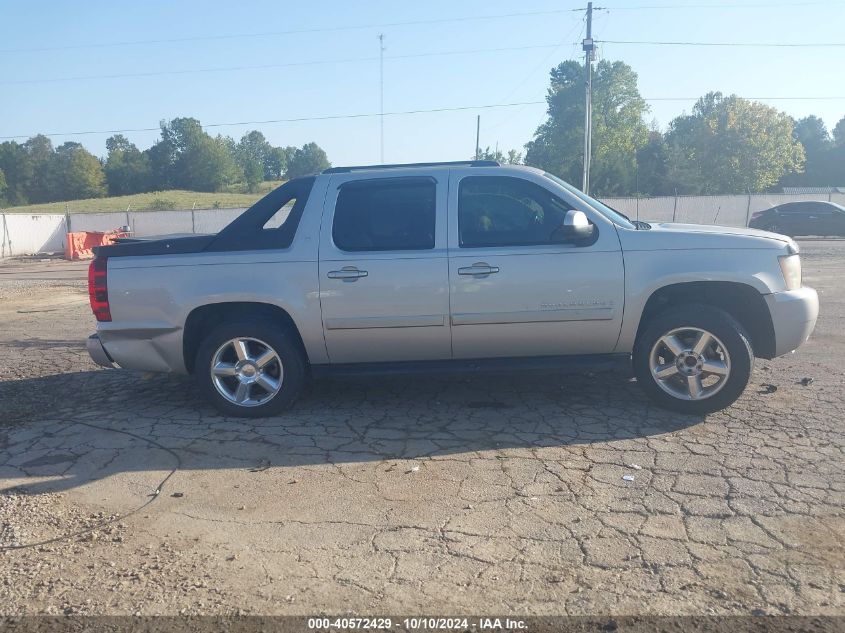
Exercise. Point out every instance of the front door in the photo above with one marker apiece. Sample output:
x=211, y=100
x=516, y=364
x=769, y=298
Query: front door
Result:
x=515, y=289
x=383, y=268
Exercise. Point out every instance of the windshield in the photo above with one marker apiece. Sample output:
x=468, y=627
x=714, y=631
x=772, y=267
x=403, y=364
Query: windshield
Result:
x=605, y=210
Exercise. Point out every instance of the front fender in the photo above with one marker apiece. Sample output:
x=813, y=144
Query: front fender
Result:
x=646, y=272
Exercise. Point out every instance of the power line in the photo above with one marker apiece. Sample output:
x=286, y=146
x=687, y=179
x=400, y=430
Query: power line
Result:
x=355, y=27
x=295, y=120
x=382, y=25
x=732, y=5
x=751, y=98
x=527, y=76
x=331, y=117
x=191, y=71
x=381, y=92
x=731, y=44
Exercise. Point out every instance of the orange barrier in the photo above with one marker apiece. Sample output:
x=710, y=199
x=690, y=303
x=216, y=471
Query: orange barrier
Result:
x=79, y=245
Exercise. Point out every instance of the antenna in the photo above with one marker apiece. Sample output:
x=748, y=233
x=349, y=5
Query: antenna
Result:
x=381, y=91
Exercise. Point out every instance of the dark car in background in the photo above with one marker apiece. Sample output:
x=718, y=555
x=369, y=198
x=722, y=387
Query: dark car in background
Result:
x=802, y=218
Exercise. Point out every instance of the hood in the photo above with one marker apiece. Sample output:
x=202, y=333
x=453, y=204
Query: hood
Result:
x=720, y=230
x=669, y=235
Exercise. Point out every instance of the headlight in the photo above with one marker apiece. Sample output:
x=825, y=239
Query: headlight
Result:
x=790, y=266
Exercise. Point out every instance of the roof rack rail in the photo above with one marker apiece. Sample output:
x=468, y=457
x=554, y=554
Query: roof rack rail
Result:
x=465, y=163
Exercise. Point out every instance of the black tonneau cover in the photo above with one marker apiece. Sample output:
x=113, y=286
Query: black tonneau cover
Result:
x=175, y=245
x=246, y=232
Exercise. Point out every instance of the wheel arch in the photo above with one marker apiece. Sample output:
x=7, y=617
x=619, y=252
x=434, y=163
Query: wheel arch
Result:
x=742, y=301
x=203, y=319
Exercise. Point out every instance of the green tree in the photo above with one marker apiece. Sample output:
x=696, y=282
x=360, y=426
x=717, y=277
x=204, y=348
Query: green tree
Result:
x=731, y=145
x=39, y=154
x=3, y=187
x=307, y=160
x=253, y=156
x=839, y=133
x=821, y=166
x=277, y=162
x=653, y=166
x=208, y=165
x=513, y=157
x=17, y=167
x=75, y=173
x=812, y=134
x=253, y=173
x=127, y=169
x=187, y=157
x=618, y=130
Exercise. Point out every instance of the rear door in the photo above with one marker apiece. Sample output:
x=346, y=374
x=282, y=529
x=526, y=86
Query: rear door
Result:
x=515, y=289
x=823, y=219
x=383, y=267
x=838, y=222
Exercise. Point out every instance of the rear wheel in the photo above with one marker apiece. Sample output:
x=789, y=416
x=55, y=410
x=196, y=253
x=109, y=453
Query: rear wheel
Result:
x=694, y=359
x=249, y=369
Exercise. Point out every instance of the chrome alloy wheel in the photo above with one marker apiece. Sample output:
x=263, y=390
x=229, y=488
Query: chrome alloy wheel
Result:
x=246, y=371
x=689, y=363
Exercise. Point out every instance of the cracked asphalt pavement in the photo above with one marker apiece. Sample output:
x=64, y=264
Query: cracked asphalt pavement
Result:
x=459, y=494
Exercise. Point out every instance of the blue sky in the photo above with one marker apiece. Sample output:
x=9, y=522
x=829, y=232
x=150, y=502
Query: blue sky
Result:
x=411, y=83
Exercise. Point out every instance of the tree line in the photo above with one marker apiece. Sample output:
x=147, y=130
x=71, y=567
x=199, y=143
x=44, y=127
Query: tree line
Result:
x=185, y=157
x=726, y=145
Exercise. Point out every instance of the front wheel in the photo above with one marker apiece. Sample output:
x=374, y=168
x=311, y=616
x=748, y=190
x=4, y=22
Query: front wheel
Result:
x=249, y=369
x=694, y=359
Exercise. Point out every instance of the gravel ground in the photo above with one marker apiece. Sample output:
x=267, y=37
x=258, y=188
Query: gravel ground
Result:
x=412, y=495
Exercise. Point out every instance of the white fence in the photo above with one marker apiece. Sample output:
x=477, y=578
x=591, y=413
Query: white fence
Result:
x=24, y=234
x=724, y=210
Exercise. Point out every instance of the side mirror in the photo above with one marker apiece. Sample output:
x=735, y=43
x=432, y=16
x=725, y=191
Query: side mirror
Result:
x=575, y=228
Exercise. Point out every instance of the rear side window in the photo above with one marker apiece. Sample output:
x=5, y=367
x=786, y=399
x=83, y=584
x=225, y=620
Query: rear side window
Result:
x=802, y=208
x=278, y=219
x=270, y=223
x=389, y=214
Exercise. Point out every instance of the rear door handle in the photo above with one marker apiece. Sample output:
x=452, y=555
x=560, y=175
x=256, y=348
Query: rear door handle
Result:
x=479, y=268
x=347, y=273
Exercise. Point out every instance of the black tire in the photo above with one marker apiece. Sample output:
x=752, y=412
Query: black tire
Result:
x=715, y=321
x=290, y=360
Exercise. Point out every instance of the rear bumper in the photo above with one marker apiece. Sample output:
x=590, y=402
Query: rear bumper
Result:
x=794, y=315
x=98, y=353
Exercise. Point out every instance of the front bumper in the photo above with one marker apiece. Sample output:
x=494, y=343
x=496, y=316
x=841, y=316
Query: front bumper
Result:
x=98, y=353
x=794, y=314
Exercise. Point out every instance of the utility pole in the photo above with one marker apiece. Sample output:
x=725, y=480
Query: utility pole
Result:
x=477, y=137
x=381, y=91
x=589, y=48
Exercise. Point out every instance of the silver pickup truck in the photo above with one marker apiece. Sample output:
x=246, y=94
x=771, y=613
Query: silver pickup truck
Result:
x=448, y=267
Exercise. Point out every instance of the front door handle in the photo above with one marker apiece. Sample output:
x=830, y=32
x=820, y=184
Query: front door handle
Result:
x=479, y=268
x=347, y=273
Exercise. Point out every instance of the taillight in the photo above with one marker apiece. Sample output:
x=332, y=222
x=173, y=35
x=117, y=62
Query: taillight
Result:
x=756, y=215
x=98, y=292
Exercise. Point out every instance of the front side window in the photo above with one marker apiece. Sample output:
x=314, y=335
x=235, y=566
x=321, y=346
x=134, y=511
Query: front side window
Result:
x=507, y=211
x=390, y=214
